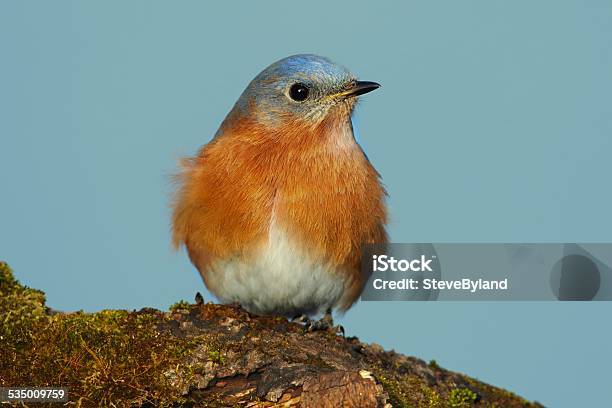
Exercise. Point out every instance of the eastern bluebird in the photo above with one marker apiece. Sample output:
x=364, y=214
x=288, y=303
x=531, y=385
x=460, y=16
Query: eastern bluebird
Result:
x=275, y=209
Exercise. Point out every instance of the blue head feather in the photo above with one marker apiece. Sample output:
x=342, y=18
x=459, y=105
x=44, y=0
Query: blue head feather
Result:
x=267, y=96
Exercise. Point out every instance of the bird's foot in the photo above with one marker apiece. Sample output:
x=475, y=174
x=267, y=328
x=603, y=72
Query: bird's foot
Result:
x=303, y=319
x=325, y=323
x=237, y=306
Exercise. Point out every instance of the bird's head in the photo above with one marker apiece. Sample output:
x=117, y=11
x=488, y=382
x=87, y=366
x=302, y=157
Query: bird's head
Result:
x=300, y=90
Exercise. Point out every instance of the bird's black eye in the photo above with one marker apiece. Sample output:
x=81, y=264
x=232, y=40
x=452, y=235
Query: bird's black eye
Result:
x=298, y=92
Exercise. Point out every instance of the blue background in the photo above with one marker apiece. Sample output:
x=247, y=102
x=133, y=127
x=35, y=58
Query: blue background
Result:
x=494, y=124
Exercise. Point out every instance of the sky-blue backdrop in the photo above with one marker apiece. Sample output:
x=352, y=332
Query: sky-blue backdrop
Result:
x=494, y=123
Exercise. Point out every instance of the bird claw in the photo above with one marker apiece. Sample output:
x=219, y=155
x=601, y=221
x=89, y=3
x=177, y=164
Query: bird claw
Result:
x=304, y=319
x=325, y=323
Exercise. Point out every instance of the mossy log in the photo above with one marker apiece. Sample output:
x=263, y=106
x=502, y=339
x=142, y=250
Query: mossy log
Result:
x=209, y=355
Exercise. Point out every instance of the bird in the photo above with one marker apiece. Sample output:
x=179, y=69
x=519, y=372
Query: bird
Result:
x=274, y=211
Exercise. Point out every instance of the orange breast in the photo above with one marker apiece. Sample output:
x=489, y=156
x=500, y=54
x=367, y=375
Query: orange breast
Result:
x=315, y=182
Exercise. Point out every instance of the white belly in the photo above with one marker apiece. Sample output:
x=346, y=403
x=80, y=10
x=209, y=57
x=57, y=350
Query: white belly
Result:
x=281, y=279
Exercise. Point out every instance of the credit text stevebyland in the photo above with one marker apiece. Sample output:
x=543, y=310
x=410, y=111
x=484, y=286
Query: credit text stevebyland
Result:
x=384, y=263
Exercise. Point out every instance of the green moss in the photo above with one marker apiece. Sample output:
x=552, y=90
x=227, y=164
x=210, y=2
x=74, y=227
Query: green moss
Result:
x=397, y=395
x=216, y=356
x=20, y=307
x=461, y=397
x=180, y=305
x=431, y=398
x=109, y=358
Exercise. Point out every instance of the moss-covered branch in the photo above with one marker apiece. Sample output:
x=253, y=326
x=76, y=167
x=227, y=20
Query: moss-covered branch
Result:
x=210, y=355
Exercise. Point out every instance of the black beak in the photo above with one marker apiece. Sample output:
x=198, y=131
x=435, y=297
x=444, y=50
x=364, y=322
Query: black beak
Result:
x=362, y=87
